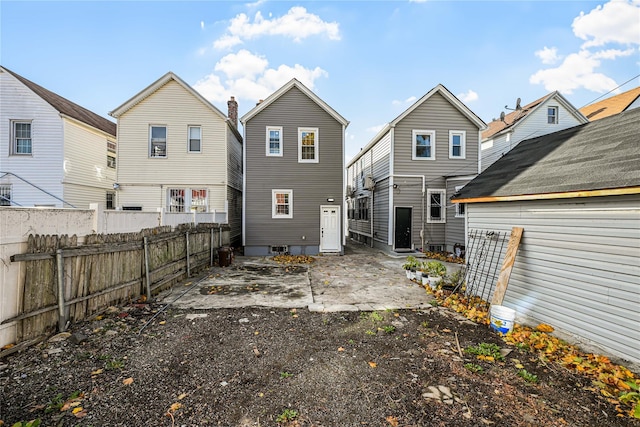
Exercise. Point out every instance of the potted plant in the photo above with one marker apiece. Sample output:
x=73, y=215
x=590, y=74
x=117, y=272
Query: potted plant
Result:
x=436, y=271
x=454, y=280
x=425, y=274
x=410, y=267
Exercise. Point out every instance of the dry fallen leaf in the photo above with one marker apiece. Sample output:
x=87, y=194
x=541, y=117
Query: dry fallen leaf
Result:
x=77, y=409
x=182, y=396
x=256, y=352
x=162, y=323
x=340, y=348
x=446, y=330
x=97, y=372
x=373, y=364
x=174, y=407
x=127, y=381
x=393, y=421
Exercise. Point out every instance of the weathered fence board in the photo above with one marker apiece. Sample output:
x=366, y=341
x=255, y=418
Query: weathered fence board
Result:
x=105, y=270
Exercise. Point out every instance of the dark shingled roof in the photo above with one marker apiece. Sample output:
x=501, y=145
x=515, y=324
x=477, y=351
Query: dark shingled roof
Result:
x=67, y=107
x=599, y=155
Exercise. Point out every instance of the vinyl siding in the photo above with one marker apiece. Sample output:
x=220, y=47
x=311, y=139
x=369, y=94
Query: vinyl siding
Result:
x=234, y=160
x=44, y=167
x=436, y=113
x=234, y=206
x=454, y=229
x=175, y=108
x=577, y=266
x=533, y=125
x=138, y=174
x=381, y=211
x=312, y=183
x=86, y=175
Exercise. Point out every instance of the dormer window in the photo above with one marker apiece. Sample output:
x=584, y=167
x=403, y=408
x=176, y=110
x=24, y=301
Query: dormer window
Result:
x=552, y=115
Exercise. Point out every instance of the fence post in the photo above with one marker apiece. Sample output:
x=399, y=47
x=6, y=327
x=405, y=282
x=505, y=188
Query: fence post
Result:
x=220, y=231
x=62, y=318
x=188, y=261
x=211, y=260
x=146, y=267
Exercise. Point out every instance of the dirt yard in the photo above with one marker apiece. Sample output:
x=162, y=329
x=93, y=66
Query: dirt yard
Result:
x=287, y=367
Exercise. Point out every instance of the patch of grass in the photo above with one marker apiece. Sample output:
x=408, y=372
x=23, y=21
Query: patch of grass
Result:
x=528, y=376
x=473, y=367
x=370, y=332
x=58, y=401
x=389, y=329
x=285, y=375
x=287, y=415
x=434, y=303
x=485, y=351
x=374, y=316
x=352, y=342
x=111, y=364
x=425, y=324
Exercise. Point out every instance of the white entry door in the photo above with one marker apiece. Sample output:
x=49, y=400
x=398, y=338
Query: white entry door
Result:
x=329, y=228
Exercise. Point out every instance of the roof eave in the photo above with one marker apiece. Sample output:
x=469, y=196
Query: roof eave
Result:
x=550, y=196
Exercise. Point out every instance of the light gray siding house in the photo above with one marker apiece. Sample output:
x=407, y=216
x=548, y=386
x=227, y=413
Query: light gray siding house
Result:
x=576, y=193
x=399, y=184
x=294, y=174
x=548, y=114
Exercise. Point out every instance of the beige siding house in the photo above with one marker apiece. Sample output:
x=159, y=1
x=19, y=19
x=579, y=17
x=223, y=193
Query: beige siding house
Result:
x=400, y=183
x=54, y=152
x=179, y=153
x=294, y=185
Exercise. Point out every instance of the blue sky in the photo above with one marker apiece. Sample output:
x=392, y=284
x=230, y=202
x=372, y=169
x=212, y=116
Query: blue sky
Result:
x=369, y=60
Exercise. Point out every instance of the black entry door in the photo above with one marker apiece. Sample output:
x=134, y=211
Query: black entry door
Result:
x=403, y=228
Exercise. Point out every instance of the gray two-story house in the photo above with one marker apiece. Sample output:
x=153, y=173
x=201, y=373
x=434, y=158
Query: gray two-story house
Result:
x=399, y=185
x=294, y=175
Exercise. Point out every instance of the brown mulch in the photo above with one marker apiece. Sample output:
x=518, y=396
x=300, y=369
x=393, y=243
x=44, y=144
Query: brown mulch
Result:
x=276, y=367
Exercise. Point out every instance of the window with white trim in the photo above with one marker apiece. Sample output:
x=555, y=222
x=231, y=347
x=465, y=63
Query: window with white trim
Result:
x=281, y=203
x=308, y=142
x=460, y=207
x=436, y=206
x=457, y=144
x=552, y=115
x=111, y=161
x=5, y=195
x=274, y=141
x=423, y=145
x=157, y=141
x=21, y=143
x=195, y=139
x=187, y=200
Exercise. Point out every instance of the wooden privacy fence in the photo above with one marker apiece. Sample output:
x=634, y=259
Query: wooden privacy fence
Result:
x=64, y=282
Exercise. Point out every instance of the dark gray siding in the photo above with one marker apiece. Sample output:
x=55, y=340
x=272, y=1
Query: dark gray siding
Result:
x=577, y=266
x=454, y=229
x=436, y=113
x=312, y=183
x=234, y=206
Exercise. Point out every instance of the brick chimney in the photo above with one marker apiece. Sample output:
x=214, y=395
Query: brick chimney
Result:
x=232, y=106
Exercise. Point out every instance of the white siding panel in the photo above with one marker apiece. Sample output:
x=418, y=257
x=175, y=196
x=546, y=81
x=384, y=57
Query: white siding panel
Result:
x=44, y=167
x=577, y=267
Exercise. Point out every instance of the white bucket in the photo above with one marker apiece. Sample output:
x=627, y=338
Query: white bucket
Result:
x=502, y=318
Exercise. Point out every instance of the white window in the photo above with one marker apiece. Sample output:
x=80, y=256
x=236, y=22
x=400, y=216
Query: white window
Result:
x=158, y=141
x=552, y=115
x=195, y=139
x=282, y=204
x=111, y=146
x=457, y=144
x=460, y=207
x=423, y=145
x=274, y=141
x=436, y=206
x=5, y=195
x=111, y=161
x=21, y=143
x=187, y=200
x=308, y=145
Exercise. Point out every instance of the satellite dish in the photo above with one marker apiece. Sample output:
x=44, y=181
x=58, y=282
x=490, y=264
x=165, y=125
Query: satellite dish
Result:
x=518, y=107
x=502, y=116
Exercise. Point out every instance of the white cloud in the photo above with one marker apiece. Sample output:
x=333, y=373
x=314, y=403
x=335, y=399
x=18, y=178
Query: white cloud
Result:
x=202, y=25
x=548, y=55
x=578, y=70
x=615, y=22
x=297, y=24
x=248, y=77
x=409, y=100
x=376, y=128
x=468, y=96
